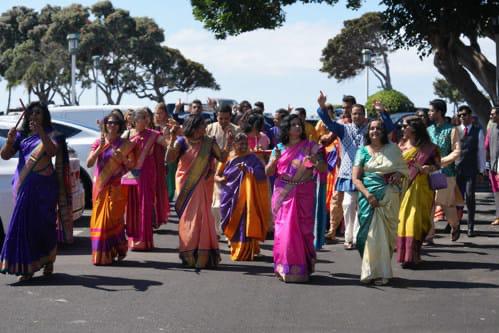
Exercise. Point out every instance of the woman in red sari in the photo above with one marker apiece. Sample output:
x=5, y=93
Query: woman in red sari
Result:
x=195, y=179
x=113, y=156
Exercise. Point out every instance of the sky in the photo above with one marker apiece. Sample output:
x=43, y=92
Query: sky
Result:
x=279, y=67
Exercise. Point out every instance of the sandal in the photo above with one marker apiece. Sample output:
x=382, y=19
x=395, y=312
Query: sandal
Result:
x=455, y=234
x=381, y=282
x=24, y=277
x=48, y=269
x=349, y=246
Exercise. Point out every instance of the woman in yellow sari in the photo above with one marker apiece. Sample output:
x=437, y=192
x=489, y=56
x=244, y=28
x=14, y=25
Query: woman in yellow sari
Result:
x=377, y=173
x=422, y=157
x=113, y=156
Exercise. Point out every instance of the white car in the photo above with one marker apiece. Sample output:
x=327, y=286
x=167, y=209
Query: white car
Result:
x=7, y=170
x=79, y=138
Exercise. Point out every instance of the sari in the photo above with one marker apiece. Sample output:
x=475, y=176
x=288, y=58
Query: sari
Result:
x=107, y=223
x=198, y=243
x=416, y=205
x=378, y=226
x=293, y=203
x=141, y=205
x=244, y=206
x=162, y=199
x=31, y=240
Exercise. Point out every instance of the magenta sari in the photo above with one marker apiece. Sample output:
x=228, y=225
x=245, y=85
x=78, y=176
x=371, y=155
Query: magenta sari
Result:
x=293, y=206
x=141, y=207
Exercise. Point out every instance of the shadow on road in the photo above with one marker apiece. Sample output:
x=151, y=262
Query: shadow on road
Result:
x=98, y=282
x=398, y=282
x=445, y=264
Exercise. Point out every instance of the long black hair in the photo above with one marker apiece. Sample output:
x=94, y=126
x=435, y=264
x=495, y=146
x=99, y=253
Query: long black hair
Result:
x=252, y=120
x=32, y=107
x=384, y=133
x=286, y=126
x=192, y=123
x=420, y=133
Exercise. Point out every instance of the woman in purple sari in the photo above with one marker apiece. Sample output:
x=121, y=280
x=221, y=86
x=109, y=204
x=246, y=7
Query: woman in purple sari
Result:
x=294, y=162
x=31, y=241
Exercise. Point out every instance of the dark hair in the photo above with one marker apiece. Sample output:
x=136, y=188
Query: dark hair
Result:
x=349, y=99
x=197, y=101
x=120, y=120
x=240, y=136
x=151, y=117
x=192, y=123
x=464, y=108
x=260, y=105
x=118, y=113
x=286, y=126
x=419, y=128
x=46, y=122
x=282, y=112
x=161, y=106
x=439, y=105
x=384, y=133
x=252, y=120
x=360, y=106
x=225, y=109
x=301, y=111
x=244, y=104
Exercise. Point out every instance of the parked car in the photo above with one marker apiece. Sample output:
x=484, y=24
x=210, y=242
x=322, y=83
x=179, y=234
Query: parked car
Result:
x=7, y=170
x=79, y=138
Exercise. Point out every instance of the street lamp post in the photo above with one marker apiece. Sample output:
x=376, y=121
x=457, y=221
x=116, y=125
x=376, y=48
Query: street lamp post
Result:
x=366, y=60
x=96, y=60
x=73, y=40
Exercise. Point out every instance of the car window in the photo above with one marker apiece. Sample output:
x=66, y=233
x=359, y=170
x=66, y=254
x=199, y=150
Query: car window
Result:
x=3, y=132
x=66, y=130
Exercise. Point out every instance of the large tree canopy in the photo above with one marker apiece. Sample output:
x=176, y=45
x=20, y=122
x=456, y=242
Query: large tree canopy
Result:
x=449, y=30
x=131, y=59
x=342, y=57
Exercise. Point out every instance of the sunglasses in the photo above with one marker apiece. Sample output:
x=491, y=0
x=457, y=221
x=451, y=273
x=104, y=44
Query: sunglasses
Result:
x=461, y=115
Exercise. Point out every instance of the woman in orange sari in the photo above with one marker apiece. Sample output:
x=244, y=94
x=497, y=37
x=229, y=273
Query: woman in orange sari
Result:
x=194, y=182
x=113, y=156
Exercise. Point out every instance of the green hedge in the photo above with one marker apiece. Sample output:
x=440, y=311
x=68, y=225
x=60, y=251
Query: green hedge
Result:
x=393, y=100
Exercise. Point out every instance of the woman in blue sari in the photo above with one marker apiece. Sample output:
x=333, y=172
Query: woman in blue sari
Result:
x=31, y=240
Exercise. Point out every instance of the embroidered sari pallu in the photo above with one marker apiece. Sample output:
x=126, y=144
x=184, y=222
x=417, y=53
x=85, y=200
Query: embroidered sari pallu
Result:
x=198, y=243
x=293, y=206
x=245, y=206
x=378, y=226
x=31, y=240
x=107, y=224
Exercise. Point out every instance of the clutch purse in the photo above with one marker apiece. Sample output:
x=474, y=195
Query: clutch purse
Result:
x=438, y=180
x=131, y=177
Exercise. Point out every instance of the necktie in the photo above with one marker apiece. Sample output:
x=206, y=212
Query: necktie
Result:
x=466, y=131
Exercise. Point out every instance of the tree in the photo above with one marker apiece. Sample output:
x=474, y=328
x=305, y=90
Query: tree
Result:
x=444, y=90
x=342, y=57
x=447, y=29
x=228, y=17
x=169, y=72
x=393, y=100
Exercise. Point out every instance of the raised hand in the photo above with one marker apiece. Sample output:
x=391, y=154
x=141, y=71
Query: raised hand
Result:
x=11, y=135
x=322, y=100
x=178, y=106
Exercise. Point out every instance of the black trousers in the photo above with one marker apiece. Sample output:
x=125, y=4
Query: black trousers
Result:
x=467, y=186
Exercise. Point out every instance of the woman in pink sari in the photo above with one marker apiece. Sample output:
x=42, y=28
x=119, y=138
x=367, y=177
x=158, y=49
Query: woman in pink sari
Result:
x=195, y=180
x=141, y=207
x=294, y=162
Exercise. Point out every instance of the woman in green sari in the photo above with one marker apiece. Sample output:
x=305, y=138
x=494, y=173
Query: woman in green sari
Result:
x=377, y=174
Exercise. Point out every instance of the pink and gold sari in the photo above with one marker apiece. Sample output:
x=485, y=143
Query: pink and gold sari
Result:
x=293, y=206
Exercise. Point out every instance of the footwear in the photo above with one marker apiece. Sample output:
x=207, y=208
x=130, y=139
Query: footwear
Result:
x=381, y=282
x=455, y=234
x=471, y=233
x=349, y=246
x=49, y=269
x=121, y=257
x=428, y=242
x=24, y=277
x=496, y=221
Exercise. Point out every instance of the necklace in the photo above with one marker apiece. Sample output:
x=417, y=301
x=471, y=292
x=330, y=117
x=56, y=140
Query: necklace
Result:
x=193, y=142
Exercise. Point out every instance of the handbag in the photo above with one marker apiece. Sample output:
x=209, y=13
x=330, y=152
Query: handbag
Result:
x=438, y=180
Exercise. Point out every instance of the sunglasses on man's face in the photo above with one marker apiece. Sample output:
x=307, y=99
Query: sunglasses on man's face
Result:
x=462, y=115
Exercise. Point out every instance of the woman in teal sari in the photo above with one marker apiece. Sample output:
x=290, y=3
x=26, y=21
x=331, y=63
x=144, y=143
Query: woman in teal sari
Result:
x=377, y=173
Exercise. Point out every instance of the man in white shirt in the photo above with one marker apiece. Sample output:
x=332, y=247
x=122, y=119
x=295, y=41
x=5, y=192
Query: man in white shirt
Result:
x=471, y=163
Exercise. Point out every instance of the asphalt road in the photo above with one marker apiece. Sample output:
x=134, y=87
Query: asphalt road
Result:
x=455, y=290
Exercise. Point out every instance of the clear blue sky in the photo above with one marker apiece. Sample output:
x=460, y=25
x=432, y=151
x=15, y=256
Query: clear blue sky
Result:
x=278, y=67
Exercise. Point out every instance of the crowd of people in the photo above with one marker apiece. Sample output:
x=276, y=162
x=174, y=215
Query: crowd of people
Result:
x=244, y=181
